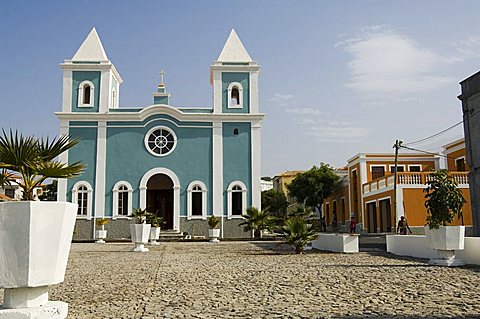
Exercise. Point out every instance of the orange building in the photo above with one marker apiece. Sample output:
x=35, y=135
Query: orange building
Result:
x=371, y=187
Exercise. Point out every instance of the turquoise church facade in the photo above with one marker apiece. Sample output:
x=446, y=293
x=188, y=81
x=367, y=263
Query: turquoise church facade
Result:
x=183, y=164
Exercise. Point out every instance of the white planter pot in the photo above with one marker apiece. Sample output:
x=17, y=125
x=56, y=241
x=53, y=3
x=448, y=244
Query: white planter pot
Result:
x=140, y=234
x=446, y=240
x=154, y=235
x=100, y=235
x=35, y=239
x=213, y=234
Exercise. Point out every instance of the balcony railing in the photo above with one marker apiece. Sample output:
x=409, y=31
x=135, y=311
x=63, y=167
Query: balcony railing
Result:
x=409, y=178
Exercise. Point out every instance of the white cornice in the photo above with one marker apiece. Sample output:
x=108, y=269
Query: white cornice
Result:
x=235, y=68
x=156, y=110
x=91, y=67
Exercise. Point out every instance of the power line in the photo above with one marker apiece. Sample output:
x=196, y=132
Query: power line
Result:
x=441, y=132
x=426, y=152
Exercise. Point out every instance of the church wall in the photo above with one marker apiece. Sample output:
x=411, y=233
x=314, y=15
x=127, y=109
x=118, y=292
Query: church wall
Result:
x=85, y=152
x=77, y=78
x=244, y=79
x=237, y=159
x=190, y=160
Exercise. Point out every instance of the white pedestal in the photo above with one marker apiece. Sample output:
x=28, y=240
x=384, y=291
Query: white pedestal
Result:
x=27, y=297
x=446, y=258
x=51, y=310
x=140, y=248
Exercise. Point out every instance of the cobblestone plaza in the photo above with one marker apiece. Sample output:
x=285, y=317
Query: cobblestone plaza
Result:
x=260, y=280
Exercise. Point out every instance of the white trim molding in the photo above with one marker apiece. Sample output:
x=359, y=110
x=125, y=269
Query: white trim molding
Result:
x=239, y=88
x=176, y=192
x=217, y=174
x=190, y=191
x=89, y=198
x=256, y=191
x=81, y=102
x=229, y=198
x=115, y=191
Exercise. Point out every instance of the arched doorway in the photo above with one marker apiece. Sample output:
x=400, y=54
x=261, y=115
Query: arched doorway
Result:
x=160, y=198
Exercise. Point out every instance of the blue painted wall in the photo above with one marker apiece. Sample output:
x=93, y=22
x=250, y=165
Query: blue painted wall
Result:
x=237, y=159
x=129, y=160
x=244, y=79
x=85, y=152
x=79, y=77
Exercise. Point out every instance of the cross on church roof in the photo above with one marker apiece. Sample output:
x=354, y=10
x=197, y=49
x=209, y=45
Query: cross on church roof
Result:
x=162, y=74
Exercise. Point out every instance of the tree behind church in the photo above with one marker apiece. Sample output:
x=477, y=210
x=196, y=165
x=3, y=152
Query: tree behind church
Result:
x=313, y=186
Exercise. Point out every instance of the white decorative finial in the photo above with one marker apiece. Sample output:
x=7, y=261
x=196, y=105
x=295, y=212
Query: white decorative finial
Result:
x=162, y=74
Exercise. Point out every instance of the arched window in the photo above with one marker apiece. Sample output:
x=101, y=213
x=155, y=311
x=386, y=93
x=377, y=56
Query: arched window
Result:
x=237, y=199
x=82, y=201
x=86, y=95
x=235, y=95
x=197, y=200
x=82, y=195
x=122, y=200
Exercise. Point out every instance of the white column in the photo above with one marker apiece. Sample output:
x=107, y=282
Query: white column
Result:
x=176, y=207
x=104, y=92
x=217, y=91
x=256, y=165
x=217, y=169
x=100, y=170
x=67, y=91
x=254, y=92
x=62, y=182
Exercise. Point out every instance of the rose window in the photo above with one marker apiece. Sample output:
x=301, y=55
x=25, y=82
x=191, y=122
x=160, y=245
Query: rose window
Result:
x=160, y=141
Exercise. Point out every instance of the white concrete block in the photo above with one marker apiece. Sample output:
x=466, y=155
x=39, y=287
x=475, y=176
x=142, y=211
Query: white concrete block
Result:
x=51, y=310
x=342, y=243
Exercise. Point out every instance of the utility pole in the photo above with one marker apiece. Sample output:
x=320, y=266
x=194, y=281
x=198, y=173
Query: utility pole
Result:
x=398, y=144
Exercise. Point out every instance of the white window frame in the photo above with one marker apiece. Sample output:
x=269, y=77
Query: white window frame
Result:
x=464, y=162
x=415, y=165
x=115, y=191
x=189, y=200
x=240, y=95
x=229, y=199
x=390, y=167
x=378, y=165
x=81, y=102
x=175, y=140
x=89, y=198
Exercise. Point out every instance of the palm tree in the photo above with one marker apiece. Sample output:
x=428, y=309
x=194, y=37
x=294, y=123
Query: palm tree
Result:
x=6, y=178
x=298, y=232
x=35, y=159
x=257, y=220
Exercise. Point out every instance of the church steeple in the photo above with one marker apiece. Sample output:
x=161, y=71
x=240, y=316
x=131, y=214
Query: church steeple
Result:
x=91, y=49
x=233, y=50
x=234, y=76
x=91, y=82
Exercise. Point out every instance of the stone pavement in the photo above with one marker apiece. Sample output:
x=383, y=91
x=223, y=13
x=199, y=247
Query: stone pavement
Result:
x=260, y=280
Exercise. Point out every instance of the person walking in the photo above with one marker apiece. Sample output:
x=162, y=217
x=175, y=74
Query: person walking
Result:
x=402, y=226
x=353, y=225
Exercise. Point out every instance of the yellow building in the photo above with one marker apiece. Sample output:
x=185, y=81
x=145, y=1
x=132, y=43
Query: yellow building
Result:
x=280, y=183
x=367, y=192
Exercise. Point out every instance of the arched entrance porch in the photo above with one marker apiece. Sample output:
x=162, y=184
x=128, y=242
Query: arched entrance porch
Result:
x=160, y=191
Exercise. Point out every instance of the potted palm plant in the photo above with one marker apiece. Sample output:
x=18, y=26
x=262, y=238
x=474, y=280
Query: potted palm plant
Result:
x=298, y=230
x=156, y=223
x=257, y=221
x=444, y=202
x=213, y=231
x=101, y=234
x=35, y=236
x=140, y=231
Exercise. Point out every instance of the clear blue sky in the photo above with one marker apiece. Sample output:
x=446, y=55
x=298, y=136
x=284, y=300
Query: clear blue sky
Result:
x=337, y=78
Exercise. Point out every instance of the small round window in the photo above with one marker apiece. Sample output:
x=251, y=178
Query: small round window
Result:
x=160, y=141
